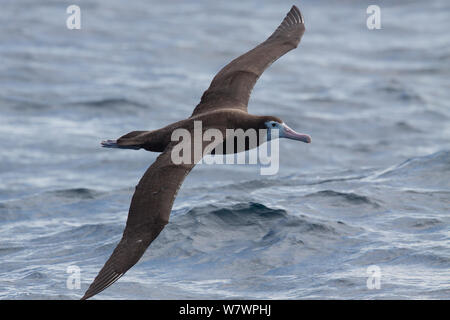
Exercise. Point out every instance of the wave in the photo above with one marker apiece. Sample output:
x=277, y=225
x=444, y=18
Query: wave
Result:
x=83, y=234
x=349, y=197
x=243, y=229
x=241, y=213
x=430, y=170
x=77, y=193
x=52, y=203
x=109, y=103
x=414, y=225
x=404, y=256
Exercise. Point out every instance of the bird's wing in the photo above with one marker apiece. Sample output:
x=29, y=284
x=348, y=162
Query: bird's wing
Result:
x=232, y=86
x=148, y=214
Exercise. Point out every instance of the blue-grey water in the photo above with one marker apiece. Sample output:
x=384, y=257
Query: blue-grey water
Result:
x=373, y=189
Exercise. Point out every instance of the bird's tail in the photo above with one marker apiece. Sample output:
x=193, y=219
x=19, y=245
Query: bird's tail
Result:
x=113, y=144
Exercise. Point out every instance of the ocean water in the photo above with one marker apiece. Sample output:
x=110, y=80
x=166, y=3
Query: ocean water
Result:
x=373, y=188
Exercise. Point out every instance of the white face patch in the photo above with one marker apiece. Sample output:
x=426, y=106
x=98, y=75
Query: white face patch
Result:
x=273, y=126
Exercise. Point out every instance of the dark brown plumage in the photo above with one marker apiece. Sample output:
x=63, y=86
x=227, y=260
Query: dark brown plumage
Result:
x=222, y=106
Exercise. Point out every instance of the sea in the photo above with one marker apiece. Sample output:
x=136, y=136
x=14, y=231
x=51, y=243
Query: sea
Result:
x=363, y=212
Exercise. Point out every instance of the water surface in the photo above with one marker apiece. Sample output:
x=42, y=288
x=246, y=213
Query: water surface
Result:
x=372, y=189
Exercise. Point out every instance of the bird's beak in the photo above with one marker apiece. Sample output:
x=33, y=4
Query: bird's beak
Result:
x=291, y=134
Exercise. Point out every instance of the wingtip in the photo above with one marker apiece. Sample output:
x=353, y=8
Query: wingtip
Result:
x=88, y=294
x=101, y=282
x=296, y=11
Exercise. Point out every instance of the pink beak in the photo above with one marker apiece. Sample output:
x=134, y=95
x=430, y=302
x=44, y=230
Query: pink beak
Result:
x=291, y=134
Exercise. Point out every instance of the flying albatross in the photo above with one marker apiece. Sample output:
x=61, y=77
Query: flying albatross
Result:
x=223, y=106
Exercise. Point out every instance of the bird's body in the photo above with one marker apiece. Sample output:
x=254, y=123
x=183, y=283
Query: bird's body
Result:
x=158, y=140
x=223, y=106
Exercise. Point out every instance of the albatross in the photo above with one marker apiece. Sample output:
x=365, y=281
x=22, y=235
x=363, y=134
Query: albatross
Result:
x=222, y=106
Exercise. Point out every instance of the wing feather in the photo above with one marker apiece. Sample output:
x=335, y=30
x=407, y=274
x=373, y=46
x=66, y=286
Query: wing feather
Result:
x=148, y=214
x=232, y=86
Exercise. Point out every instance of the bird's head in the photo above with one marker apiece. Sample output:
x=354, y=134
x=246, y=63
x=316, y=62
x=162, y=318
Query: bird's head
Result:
x=274, y=123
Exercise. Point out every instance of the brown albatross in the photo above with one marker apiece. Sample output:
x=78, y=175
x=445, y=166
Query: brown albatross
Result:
x=223, y=106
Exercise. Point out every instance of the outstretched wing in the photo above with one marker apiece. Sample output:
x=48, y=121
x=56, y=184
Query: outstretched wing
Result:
x=150, y=209
x=149, y=213
x=232, y=86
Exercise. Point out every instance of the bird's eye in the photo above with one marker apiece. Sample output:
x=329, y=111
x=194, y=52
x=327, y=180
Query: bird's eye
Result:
x=273, y=124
